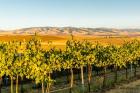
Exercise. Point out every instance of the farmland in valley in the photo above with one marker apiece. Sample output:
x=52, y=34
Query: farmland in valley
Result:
x=60, y=41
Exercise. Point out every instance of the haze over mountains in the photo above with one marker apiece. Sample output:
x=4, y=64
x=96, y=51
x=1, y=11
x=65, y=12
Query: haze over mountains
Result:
x=73, y=30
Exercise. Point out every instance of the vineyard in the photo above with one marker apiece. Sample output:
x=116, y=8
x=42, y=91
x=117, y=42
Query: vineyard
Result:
x=75, y=66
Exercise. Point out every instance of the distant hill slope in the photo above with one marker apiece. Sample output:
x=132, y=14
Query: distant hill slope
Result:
x=73, y=30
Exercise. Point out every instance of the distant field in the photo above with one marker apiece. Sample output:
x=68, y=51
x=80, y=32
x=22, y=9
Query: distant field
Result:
x=60, y=41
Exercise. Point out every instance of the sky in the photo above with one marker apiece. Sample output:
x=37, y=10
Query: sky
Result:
x=77, y=13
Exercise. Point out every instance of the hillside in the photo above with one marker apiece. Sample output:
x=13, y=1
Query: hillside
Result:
x=73, y=30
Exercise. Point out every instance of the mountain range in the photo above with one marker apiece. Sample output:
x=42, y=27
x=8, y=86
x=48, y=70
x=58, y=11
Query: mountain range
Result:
x=72, y=30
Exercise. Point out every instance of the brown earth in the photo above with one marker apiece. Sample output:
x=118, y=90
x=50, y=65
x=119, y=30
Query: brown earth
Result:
x=60, y=41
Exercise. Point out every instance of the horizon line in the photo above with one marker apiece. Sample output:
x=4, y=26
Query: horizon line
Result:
x=17, y=28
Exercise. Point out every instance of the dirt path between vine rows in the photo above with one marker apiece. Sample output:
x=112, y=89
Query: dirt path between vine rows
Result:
x=132, y=87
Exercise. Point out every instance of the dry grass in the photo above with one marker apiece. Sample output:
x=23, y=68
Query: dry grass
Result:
x=60, y=41
x=132, y=87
